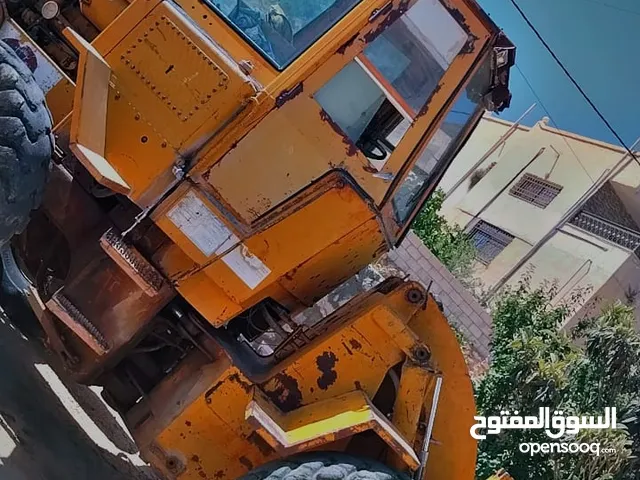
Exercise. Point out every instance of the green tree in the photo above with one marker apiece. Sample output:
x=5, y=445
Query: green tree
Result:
x=534, y=364
x=448, y=242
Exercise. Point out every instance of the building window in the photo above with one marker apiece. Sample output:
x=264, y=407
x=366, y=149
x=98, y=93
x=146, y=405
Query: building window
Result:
x=535, y=190
x=489, y=241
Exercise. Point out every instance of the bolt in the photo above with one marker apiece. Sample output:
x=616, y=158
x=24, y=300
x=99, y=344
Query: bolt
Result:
x=173, y=465
x=421, y=354
x=246, y=67
x=178, y=172
x=415, y=296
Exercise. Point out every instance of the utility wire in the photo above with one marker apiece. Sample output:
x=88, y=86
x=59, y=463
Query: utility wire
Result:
x=573, y=80
x=620, y=9
x=541, y=103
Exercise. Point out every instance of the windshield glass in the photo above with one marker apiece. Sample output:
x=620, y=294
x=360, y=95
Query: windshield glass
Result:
x=442, y=145
x=282, y=29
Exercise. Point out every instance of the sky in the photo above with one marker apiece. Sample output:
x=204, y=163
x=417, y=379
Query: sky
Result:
x=599, y=43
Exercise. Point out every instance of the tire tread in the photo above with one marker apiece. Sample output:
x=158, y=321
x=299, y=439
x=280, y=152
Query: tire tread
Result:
x=324, y=466
x=26, y=143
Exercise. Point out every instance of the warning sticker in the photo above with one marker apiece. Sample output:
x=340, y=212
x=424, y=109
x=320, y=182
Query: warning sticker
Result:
x=201, y=226
x=211, y=236
x=247, y=266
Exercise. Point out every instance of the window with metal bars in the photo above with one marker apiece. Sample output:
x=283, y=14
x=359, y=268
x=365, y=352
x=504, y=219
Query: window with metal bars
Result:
x=489, y=241
x=535, y=190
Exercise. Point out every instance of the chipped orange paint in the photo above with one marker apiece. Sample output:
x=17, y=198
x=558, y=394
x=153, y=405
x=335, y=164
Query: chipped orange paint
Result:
x=213, y=428
x=302, y=209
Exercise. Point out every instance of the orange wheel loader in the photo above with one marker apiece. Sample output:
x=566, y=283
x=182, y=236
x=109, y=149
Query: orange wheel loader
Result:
x=183, y=181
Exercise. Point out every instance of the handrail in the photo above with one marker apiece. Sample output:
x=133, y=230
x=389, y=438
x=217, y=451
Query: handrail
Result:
x=607, y=230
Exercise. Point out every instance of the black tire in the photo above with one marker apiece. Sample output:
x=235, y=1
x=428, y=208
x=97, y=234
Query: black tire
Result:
x=13, y=289
x=324, y=466
x=26, y=143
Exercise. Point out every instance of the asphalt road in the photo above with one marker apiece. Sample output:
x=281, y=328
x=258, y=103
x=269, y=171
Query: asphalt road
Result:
x=54, y=430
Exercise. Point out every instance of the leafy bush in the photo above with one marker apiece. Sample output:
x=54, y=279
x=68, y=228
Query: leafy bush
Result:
x=449, y=243
x=534, y=364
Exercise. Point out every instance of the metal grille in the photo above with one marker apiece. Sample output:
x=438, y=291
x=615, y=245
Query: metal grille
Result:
x=607, y=230
x=535, y=190
x=489, y=241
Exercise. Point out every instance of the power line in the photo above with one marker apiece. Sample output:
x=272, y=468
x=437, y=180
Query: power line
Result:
x=620, y=9
x=573, y=80
x=535, y=94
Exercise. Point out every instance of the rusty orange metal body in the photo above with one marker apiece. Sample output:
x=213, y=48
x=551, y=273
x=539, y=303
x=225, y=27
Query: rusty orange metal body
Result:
x=214, y=180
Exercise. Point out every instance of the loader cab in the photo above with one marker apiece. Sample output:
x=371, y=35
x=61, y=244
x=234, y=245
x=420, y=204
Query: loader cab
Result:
x=386, y=91
x=252, y=153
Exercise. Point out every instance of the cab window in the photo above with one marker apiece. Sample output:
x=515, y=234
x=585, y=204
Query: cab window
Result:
x=377, y=97
x=443, y=144
x=282, y=30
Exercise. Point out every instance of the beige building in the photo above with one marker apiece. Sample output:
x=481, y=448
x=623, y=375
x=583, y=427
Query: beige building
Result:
x=564, y=207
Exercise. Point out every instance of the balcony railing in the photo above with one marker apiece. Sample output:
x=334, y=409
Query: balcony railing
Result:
x=606, y=230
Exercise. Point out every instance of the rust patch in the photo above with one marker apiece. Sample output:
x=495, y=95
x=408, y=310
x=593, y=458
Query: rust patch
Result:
x=352, y=149
x=289, y=95
x=470, y=46
x=286, y=394
x=326, y=362
x=246, y=462
x=260, y=443
x=356, y=345
x=195, y=459
x=392, y=16
x=369, y=169
x=219, y=474
x=458, y=17
x=358, y=385
x=347, y=44
x=347, y=348
x=187, y=423
x=212, y=390
x=235, y=378
x=425, y=108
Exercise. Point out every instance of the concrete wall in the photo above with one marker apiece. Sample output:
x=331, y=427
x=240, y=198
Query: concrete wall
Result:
x=623, y=285
x=460, y=307
x=572, y=258
x=575, y=166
